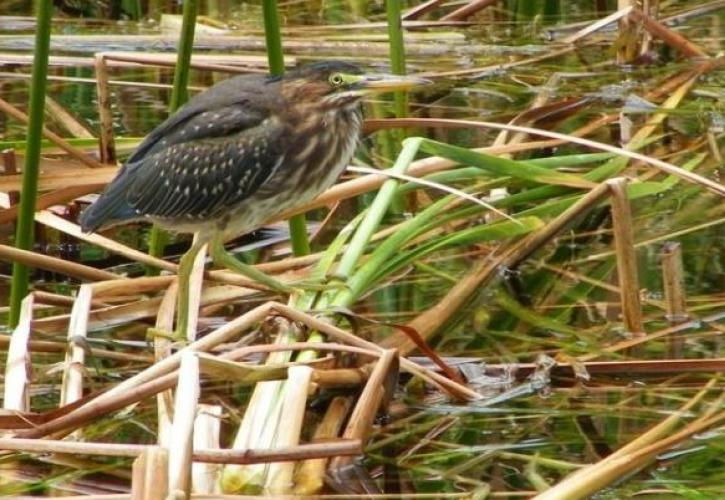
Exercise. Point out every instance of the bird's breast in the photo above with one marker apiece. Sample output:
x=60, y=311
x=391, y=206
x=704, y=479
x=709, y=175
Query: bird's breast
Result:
x=315, y=153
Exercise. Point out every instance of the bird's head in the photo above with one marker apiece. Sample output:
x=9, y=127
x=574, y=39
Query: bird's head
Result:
x=339, y=84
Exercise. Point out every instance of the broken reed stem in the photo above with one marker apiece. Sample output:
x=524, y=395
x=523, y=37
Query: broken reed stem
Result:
x=106, y=144
x=10, y=160
x=17, y=365
x=150, y=480
x=74, y=369
x=310, y=476
x=207, y=427
x=162, y=350
x=627, y=42
x=626, y=256
x=294, y=403
x=182, y=429
x=372, y=397
x=673, y=282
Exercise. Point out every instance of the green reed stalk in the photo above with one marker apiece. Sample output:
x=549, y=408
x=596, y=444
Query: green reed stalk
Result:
x=179, y=95
x=24, y=235
x=397, y=52
x=273, y=38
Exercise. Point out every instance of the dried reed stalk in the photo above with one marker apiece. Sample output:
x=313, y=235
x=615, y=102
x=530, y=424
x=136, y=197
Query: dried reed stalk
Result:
x=597, y=25
x=150, y=475
x=419, y=10
x=626, y=256
x=61, y=174
x=371, y=399
x=47, y=346
x=536, y=240
x=16, y=390
x=162, y=350
x=673, y=282
x=146, y=308
x=639, y=340
x=207, y=426
x=463, y=13
x=53, y=198
x=196, y=282
x=294, y=403
x=76, y=153
x=310, y=475
x=106, y=146
x=74, y=365
x=54, y=264
x=66, y=119
x=211, y=456
x=667, y=35
x=181, y=445
x=52, y=220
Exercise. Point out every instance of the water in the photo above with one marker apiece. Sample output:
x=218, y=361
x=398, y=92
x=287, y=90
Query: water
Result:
x=442, y=447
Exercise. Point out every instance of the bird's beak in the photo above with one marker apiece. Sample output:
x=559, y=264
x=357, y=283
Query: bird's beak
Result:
x=389, y=83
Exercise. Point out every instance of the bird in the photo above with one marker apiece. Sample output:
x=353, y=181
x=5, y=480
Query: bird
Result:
x=240, y=153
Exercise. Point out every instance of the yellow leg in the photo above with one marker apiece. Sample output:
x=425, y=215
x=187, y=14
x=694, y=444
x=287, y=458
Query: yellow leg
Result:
x=223, y=258
x=186, y=265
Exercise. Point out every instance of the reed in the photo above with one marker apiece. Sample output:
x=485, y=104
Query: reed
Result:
x=25, y=232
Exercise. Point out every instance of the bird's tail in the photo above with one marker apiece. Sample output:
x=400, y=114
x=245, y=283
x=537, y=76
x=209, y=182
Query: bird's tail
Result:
x=111, y=207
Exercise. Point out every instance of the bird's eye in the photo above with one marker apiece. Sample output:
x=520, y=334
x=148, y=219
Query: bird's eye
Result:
x=336, y=79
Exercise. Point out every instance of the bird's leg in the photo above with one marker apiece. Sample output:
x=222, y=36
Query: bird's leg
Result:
x=186, y=265
x=221, y=257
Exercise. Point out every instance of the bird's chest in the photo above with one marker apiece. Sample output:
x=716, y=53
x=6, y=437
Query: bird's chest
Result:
x=315, y=153
x=314, y=156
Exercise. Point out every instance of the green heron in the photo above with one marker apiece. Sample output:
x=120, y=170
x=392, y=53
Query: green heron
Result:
x=240, y=153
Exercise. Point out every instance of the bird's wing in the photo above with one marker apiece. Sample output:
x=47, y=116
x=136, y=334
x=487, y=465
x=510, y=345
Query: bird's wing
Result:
x=225, y=110
x=229, y=106
x=199, y=179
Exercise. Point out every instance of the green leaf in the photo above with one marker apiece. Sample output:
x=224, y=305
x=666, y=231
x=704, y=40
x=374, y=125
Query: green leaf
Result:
x=504, y=166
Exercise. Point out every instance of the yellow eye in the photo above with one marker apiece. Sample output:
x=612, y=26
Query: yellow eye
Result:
x=336, y=79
